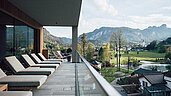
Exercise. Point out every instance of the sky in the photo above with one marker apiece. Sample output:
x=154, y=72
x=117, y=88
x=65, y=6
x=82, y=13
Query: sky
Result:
x=118, y=13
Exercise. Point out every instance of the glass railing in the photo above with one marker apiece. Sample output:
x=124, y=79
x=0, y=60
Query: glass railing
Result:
x=90, y=82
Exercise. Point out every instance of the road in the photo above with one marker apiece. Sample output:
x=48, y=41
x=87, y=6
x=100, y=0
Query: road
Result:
x=146, y=62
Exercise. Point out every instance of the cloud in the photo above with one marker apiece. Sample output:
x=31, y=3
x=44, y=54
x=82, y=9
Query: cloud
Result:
x=166, y=8
x=153, y=19
x=105, y=6
x=89, y=25
x=142, y=22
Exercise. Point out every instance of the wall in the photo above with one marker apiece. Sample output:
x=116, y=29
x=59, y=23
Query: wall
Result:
x=2, y=40
x=141, y=82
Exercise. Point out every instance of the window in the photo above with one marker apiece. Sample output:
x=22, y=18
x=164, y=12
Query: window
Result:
x=10, y=40
x=19, y=40
x=145, y=84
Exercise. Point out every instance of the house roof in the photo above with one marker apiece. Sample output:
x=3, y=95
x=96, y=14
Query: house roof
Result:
x=158, y=88
x=144, y=71
x=168, y=73
x=155, y=78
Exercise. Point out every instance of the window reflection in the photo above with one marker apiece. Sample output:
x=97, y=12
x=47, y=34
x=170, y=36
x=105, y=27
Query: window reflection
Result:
x=9, y=40
x=19, y=40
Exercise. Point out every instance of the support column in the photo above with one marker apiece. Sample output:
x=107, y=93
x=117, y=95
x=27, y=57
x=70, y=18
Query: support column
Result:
x=41, y=40
x=3, y=40
x=38, y=40
x=75, y=57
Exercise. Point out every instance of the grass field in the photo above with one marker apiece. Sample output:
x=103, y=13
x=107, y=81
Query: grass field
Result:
x=145, y=55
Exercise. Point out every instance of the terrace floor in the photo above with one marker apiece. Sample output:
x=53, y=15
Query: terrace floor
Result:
x=62, y=82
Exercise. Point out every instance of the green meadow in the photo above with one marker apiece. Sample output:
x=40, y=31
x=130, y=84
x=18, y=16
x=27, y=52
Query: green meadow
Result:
x=144, y=55
x=109, y=73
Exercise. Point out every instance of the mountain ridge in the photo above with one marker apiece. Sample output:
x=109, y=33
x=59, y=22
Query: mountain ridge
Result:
x=132, y=35
x=54, y=39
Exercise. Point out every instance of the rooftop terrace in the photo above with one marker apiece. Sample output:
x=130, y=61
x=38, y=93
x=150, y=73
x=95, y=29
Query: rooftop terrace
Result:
x=64, y=81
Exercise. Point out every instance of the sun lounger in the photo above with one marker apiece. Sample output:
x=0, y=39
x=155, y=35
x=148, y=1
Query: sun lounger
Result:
x=19, y=69
x=38, y=61
x=59, y=55
x=16, y=93
x=22, y=82
x=44, y=59
x=31, y=63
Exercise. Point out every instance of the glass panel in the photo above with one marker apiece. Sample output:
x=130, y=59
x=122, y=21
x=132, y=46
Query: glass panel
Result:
x=88, y=85
x=21, y=39
x=31, y=39
x=10, y=40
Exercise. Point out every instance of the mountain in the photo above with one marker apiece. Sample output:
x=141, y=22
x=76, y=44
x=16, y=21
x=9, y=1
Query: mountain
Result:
x=103, y=34
x=166, y=42
x=53, y=39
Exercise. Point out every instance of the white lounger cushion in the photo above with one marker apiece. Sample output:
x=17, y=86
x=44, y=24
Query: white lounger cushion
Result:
x=2, y=74
x=14, y=63
x=44, y=62
x=44, y=59
x=16, y=93
x=59, y=54
x=22, y=80
x=37, y=70
x=32, y=64
x=46, y=65
x=18, y=68
x=50, y=62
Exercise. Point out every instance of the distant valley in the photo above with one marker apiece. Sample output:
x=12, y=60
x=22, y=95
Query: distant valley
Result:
x=103, y=34
x=54, y=39
x=131, y=35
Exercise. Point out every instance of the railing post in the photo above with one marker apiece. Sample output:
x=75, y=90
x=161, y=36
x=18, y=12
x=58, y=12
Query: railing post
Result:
x=77, y=90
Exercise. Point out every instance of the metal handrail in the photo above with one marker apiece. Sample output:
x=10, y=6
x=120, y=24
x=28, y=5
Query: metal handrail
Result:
x=77, y=91
x=109, y=89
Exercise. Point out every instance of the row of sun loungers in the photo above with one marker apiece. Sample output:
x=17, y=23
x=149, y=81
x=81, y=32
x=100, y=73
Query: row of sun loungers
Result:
x=27, y=78
x=37, y=60
x=19, y=69
x=31, y=63
x=44, y=59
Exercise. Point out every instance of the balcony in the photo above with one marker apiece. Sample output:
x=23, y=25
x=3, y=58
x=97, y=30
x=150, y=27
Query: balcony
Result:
x=76, y=79
x=72, y=79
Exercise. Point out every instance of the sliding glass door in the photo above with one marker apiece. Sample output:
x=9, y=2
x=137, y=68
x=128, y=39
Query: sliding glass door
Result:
x=19, y=40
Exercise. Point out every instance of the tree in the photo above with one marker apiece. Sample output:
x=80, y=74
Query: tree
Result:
x=117, y=42
x=169, y=49
x=101, y=51
x=104, y=55
x=168, y=53
x=79, y=48
x=152, y=45
x=162, y=49
x=83, y=41
x=86, y=48
x=106, y=52
x=90, y=51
